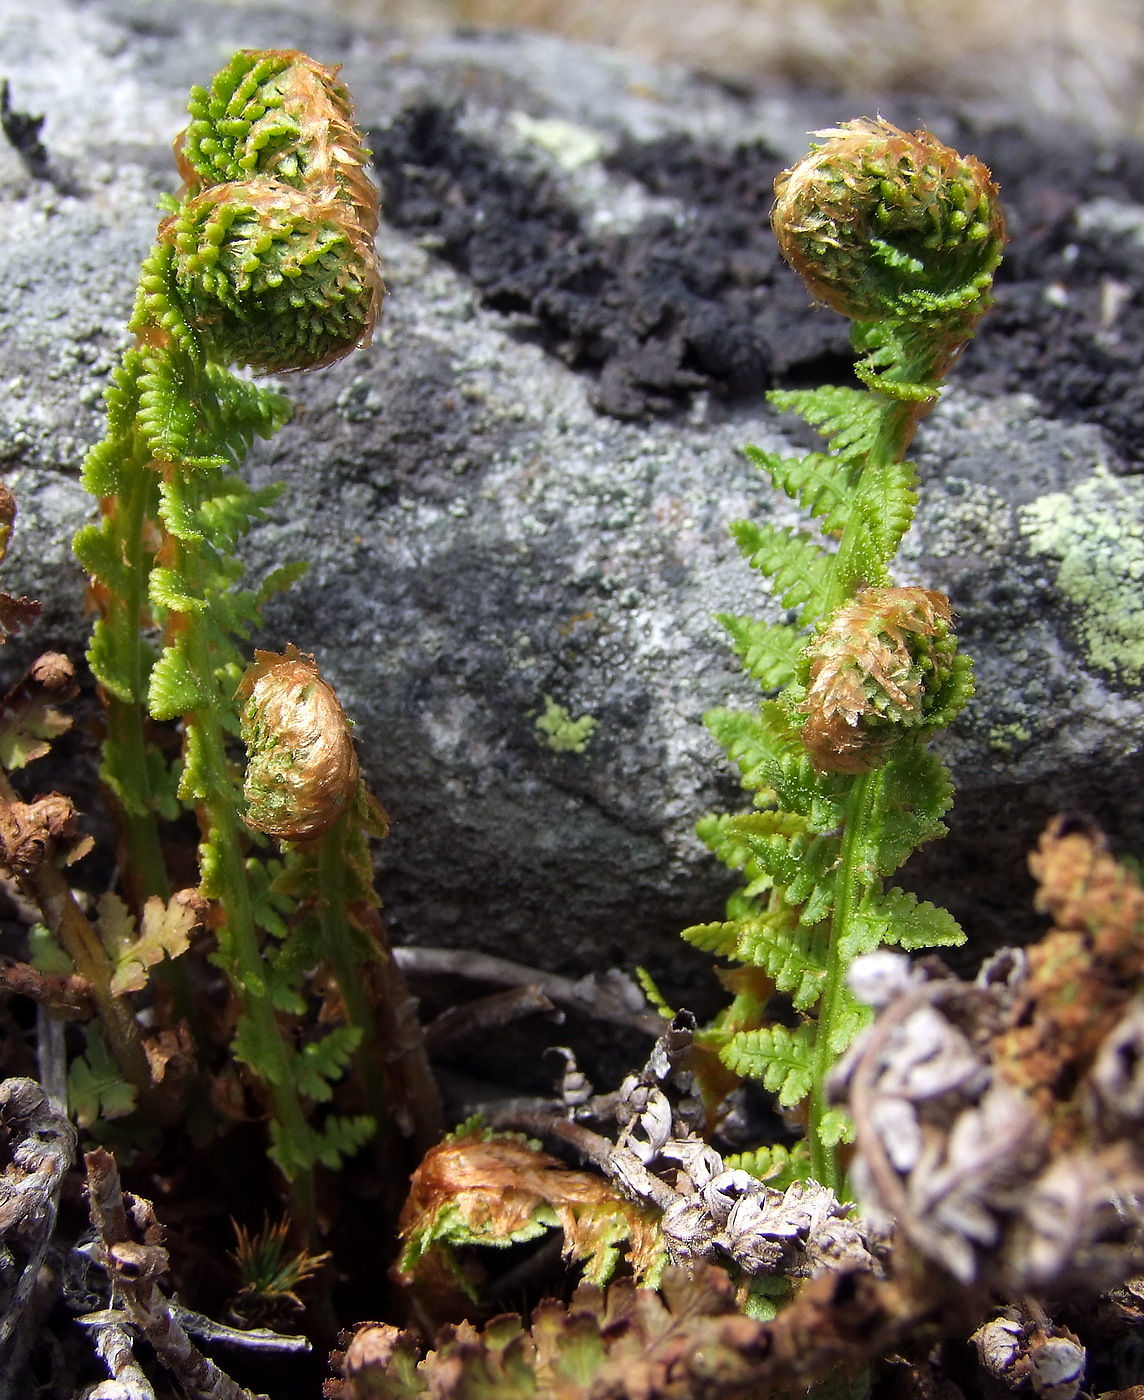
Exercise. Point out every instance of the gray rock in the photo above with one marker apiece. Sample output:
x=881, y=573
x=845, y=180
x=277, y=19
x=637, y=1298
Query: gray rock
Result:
x=485, y=546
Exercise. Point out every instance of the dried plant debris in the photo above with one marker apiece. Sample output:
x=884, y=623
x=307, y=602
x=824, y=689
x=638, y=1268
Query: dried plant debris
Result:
x=15, y=613
x=132, y=1255
x=687, y=1340
x=483, y=1187
x=37, y=1146
x=709, y=1210
x=1025, y=1351
x=30, y=831
x=29, y=717
x=999, y=1122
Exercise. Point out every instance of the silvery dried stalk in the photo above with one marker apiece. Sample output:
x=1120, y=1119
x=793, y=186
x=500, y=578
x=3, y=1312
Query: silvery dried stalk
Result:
x=708, y=1210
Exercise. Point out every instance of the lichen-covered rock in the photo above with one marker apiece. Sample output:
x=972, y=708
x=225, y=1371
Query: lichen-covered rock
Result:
x=515, y=504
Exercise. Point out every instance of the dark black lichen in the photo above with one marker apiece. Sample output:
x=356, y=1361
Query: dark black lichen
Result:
x=703, y=301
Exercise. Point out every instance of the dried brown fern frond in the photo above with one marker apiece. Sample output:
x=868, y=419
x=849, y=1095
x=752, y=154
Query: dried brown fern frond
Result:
x=486, y=1188
x=1000, y=1121
x=1083, y=977
x=686, y=1341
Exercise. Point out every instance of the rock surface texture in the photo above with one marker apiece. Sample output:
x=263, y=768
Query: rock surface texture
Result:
x=518, y=498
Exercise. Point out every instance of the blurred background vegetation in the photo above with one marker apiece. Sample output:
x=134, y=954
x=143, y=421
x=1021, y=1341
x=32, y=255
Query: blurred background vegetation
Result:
x=1070, y=59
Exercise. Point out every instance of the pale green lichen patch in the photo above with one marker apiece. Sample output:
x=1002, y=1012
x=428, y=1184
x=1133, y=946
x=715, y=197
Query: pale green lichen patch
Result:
x=1004, y=738
x=570, y=145
x=560, y=732
x=1096, y=534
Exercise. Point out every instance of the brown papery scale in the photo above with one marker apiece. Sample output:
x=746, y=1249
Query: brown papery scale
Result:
x=302, y=771
x=886, y=664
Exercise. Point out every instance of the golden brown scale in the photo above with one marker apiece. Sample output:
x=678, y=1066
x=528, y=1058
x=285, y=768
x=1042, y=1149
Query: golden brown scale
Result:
x=867, y=683
x=302, y=771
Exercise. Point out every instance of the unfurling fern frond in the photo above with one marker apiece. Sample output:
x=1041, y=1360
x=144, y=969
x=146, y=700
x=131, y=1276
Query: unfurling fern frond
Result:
x=901, y=234
x=265, y=259
x=884, y=665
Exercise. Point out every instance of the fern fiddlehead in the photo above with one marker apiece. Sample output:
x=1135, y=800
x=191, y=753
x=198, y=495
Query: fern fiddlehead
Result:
x=303, y=786
x=264, y=260
x=902, y=235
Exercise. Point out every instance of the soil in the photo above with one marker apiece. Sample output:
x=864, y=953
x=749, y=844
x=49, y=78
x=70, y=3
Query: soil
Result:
x=705, y=301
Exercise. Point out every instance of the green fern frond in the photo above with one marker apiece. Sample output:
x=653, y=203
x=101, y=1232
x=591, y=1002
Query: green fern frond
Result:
x=821, y=484
x=897, y=917
x=720, y=939
x=323, y=1062
x=174, y=688
x=770, y=754
x=796, y=859
x=170, y=416
x=178, y=509
x=167, y=591
x=245, y=411
x=888, y=501
x=777, y=1164
x=96, y=548
x=878, y=224
x=848, y=419
x=792, y=953
x=796, y=563
x=918, y=793
x=782, y=1058
x=342, y=1136
x=769, y=651
x=746, y=737
x=835, y=1127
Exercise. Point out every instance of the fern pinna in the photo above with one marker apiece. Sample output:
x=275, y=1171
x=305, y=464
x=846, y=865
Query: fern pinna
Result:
x=902, y=235
x=264, y=260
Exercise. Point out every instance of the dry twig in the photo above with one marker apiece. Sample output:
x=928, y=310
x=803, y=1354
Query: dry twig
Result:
x=485, y=1013
x=41, y=1150
x=612, y=997
x=134, y=1259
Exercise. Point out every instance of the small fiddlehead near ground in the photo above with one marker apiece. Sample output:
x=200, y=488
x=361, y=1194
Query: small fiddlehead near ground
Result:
x=902, y=235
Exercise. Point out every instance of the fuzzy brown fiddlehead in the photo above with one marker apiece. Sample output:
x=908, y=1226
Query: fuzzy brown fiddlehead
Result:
x=301, y=769
x=884, y=224
x=270, y=251
x=885, y=665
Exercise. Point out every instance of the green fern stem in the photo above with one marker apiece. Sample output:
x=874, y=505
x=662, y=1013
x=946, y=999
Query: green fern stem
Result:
x=116, y=553
x=854, y=883
x=142, y=857
x=342, y=945
x=225, y=877
x=850, y=567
